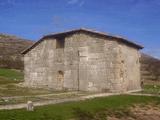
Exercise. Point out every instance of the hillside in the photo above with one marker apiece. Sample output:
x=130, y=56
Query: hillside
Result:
x=11, y=47
x=150, y=68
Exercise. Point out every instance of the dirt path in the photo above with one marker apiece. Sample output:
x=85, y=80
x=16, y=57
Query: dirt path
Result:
x=55, y=101
x=61, y=100
x=140, y=94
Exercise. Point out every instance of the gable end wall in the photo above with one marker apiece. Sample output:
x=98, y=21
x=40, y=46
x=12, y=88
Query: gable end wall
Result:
x=89, y=63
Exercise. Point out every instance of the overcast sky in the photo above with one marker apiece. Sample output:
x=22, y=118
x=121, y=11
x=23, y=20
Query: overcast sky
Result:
x=137, y=20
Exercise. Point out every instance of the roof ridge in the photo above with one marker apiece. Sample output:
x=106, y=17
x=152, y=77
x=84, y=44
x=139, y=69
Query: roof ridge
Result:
x=122, y=39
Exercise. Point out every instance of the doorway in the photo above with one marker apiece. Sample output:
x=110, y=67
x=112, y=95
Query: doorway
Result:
x=60, y=79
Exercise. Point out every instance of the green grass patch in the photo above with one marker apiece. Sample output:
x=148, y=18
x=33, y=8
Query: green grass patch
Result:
x=8, y=78
x=151, y=89
x=9, y=90
x=11, y=74
x=65, y=111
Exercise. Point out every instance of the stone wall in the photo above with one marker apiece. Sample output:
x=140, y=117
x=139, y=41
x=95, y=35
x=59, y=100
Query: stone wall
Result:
x=42, y=64
x=129, y=67
x=87, y=63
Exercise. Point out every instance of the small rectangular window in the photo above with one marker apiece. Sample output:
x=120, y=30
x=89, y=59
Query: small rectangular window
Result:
x=60, y=42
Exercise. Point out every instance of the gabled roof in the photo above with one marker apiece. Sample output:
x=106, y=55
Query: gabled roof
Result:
x=118, y=38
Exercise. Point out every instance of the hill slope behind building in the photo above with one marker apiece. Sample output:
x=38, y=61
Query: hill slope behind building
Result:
x=150, y=68
x=10, y=49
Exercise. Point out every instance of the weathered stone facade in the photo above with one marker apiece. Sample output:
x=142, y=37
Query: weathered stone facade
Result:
x=86, y=62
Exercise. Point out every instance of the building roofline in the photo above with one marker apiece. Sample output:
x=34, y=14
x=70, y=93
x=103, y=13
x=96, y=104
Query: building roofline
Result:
x=120, y=39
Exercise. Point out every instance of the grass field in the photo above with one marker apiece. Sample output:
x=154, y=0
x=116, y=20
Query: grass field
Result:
x=8, y=80
x=79, y=110
x=82, y=110
x=151, y=89
x=10, y=76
